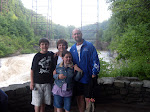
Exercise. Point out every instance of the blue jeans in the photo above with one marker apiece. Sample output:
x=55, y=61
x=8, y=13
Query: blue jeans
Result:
x=59, y=102
x=3, y=101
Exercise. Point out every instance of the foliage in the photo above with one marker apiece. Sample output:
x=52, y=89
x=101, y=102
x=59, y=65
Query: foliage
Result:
x=16, y=25
x=129, y=34
x=132, y=68
x=127, y=31
x=16, y=33
x=6, y=46
x=105, y=68
x=89, y=30
x=60, y=32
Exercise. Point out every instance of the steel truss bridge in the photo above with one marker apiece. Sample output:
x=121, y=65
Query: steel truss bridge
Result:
x=37, y=7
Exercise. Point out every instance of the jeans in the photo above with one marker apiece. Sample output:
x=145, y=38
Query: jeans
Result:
x=59, y=102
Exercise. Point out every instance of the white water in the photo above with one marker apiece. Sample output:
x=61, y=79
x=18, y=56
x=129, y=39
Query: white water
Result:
x=16, y=69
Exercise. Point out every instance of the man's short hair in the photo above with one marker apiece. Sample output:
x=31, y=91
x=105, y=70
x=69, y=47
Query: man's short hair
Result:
x=76, y=29
x=62, y=41
x=43, y=40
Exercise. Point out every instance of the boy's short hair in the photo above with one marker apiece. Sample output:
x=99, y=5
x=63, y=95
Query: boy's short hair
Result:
x=62, y=41
x=43, y=40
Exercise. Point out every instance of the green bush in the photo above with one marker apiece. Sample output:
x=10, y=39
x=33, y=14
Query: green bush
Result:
x=139, y=67
x=105, y=68
x=5, y=50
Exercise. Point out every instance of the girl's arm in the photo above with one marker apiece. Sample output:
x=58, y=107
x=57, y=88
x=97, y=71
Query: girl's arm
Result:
x=76, y=68
x=78, y=73
x=58, y=76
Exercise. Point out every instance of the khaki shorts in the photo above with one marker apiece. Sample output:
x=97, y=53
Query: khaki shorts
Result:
x=41, y=94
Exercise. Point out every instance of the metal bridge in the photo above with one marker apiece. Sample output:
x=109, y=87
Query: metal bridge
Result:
x=37, y=19
x=37, y=7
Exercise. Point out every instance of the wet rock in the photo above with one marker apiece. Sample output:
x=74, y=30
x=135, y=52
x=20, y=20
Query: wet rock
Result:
x=106, y=80
x=136, y=84
x=119, y=83
x=146, y=83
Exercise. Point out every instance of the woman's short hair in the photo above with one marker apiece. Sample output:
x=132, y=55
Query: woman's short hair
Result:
x=43, y=40
x=62, y=41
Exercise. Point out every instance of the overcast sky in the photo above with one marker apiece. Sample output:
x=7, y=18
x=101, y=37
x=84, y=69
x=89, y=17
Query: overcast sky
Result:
x=68, y=12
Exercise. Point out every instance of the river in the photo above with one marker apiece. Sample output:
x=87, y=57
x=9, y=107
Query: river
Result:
x=16, y=69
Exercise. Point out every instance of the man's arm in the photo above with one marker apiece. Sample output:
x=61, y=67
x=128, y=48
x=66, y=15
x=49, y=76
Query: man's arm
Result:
x=95, y=62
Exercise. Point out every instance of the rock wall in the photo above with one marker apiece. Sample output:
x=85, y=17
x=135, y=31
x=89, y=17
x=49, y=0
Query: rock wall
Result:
x=122, y=89
x=19, y=98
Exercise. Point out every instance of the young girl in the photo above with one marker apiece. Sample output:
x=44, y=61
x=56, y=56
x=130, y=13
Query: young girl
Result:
x=64, y=77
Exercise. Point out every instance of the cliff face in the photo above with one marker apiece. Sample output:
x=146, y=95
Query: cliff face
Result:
x=123, y=89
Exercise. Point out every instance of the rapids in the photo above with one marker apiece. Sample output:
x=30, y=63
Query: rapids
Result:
x=16, y=69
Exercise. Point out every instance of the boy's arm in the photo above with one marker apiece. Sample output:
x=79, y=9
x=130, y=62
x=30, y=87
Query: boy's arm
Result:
x=54, y=72
x=32, y=82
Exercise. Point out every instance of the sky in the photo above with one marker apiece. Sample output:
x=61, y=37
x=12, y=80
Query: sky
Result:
x=68, y=12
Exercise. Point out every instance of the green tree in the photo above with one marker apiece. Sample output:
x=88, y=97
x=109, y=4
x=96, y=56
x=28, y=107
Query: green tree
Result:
x=130, y=35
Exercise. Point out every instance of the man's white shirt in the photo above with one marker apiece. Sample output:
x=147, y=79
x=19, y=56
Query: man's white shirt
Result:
x=78, y=50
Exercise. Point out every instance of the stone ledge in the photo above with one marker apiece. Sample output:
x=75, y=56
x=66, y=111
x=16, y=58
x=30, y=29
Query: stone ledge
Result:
x=124, y=89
